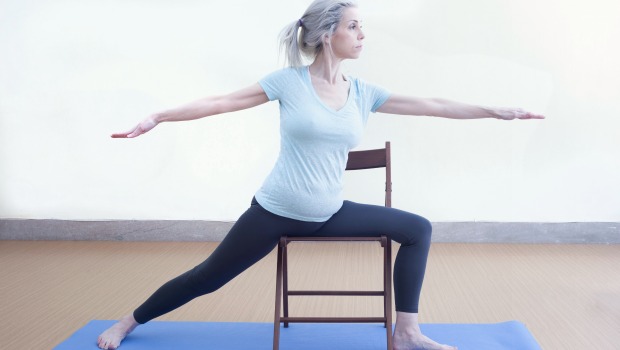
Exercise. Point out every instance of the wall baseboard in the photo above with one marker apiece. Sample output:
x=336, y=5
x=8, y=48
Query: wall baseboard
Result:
x=195, y=230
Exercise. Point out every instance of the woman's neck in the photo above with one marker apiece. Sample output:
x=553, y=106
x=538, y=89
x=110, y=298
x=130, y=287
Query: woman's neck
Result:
x=327, y=69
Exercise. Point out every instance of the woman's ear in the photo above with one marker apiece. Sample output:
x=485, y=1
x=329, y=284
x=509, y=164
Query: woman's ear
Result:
x=326, y=39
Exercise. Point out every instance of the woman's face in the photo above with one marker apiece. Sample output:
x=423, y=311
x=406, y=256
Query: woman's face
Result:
x=346, y=42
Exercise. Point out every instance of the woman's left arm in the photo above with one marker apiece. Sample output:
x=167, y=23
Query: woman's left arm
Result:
x=406, y=105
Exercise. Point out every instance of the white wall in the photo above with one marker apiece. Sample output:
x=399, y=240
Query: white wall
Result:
x=73, y=72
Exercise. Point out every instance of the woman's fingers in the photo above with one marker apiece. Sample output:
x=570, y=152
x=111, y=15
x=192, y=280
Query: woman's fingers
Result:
x=518, y=113
x=533, y=116
x=140, y=129
x=124, y=134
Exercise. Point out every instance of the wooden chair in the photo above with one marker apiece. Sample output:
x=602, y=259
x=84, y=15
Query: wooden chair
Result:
x=369, y=159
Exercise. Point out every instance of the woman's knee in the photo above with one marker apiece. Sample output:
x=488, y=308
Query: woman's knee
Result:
x=419, y=231
x=200, y=281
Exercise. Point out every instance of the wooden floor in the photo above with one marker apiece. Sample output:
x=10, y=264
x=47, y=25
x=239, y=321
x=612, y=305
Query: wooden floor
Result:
x=567, y=295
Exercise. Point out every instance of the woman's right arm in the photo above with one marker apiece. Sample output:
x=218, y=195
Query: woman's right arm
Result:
x=243, y=99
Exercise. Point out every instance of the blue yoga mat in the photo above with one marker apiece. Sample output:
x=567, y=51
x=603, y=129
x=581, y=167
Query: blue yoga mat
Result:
x=160, y=335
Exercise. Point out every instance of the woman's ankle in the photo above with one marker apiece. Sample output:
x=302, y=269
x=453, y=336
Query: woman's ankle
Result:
x=407, y=323
x=129, y=321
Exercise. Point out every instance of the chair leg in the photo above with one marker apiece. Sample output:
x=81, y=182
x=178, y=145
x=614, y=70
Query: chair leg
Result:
x=385, y=281
x=389, y=293
x=285, y=277
x=387, y=285
x=276, y=322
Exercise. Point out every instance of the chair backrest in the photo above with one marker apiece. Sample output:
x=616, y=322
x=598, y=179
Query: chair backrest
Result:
x=374, y=158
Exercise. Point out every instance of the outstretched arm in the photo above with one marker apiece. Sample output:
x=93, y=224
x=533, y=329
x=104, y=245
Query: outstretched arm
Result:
x=399, y=104
x=243, y=99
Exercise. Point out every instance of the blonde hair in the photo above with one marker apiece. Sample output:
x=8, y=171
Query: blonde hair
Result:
x=303, y=38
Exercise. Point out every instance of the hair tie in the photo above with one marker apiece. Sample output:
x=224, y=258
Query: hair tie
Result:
x=300, y=22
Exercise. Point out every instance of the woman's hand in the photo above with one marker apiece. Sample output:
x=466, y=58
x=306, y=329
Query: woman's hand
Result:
x=438, y=107
x=515, y=113
x=242, y=99
x=144, y=126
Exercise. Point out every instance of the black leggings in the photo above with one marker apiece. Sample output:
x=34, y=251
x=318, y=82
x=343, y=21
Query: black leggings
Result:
x=258, y=231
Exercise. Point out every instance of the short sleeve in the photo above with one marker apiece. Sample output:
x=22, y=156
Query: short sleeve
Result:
x=377, y=95
x=370, y=98
x=275, y=83
x=373, y=96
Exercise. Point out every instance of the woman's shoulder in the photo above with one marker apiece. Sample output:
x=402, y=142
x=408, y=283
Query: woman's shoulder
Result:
x=359, y=83
x=362, y=84
x=369, y=91
x=287, y=73
x=281, y=82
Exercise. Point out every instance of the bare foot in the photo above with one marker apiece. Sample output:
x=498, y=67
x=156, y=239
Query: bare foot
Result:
x=112, y=337
x=417, y=341
x=408, y=336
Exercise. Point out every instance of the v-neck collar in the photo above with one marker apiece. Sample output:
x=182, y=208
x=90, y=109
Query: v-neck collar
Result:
x=306, y=72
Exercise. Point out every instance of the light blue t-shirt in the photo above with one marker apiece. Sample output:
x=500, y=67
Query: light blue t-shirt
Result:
x=306, y=181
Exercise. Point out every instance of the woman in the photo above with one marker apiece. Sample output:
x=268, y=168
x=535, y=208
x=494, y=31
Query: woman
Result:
x=323, y=113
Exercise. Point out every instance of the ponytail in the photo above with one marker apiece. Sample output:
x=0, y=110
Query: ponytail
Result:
x=290, y=38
